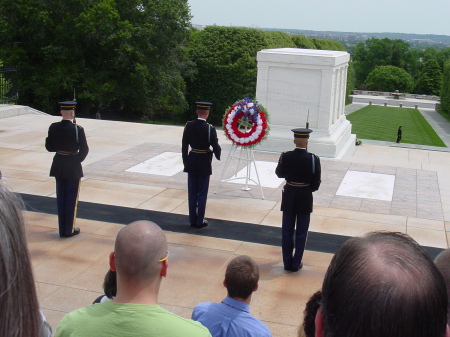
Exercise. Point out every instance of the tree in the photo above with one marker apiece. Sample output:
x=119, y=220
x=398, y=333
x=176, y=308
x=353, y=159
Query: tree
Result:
x=304, y=42
x=325, y=44
x=445, y=91
x=225, y=63
x=380, y=52
x=430, y=79
x=389, y=78
x=125, y=54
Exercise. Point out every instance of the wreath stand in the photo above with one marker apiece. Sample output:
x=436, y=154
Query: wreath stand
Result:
x=249, y=158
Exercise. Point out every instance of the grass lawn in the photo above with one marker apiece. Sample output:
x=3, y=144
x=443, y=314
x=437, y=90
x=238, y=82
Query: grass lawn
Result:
x=381, y=123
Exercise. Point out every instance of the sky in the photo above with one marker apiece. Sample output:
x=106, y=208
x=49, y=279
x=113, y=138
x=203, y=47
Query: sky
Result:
x=364, y=16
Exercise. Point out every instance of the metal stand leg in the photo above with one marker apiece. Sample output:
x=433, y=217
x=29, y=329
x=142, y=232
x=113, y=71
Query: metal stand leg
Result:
x=250, y=159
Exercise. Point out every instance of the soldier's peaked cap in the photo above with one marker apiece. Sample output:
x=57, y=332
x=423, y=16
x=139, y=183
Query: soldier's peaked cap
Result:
x=203, y=105
x=67, y=105
x=301, y=132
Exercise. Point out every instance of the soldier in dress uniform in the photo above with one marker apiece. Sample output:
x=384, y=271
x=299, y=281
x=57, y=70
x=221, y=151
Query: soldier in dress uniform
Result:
x=68, y=140
x=399, y=134
x=302, y=172
x=200, y=136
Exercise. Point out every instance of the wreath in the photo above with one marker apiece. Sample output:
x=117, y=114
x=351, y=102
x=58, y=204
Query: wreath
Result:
x=246, y=123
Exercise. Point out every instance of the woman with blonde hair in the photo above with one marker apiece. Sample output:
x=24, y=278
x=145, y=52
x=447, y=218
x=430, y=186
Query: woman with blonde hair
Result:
x=18, y=300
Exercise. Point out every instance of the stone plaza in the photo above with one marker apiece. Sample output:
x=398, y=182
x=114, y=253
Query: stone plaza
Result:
x=133, y=172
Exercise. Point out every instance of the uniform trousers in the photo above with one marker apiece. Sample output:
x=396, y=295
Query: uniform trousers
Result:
x=294, y=238
x=198, y=185
x=67, y=200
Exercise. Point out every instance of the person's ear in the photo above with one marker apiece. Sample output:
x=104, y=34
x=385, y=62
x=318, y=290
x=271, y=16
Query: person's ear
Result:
x=447, y=331
x=257, y=286
x=112, y=261
x=165, y=265
x=319, y=323
x=224, y=283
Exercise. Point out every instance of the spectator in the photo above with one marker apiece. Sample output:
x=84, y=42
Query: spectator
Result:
x=442, y=261
x=382, y=284
x=19, y=307
x=231, y=317
x=140, y=259
x=308, y=328
x=109, y=287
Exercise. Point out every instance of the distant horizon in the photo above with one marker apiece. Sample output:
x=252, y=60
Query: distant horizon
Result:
x=324, y=31
x=399, y=17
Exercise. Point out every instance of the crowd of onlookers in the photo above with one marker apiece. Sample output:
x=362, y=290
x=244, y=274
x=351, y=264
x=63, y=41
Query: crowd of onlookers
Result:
x=381, y=284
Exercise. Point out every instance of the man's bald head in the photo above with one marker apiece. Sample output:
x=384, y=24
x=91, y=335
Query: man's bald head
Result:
x=138, y=249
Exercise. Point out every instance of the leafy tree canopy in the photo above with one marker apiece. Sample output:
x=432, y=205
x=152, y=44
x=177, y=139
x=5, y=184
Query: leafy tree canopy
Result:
x=430, y=79
x=380, y=52
x=225, y=62
x=125, y=54
x=389, y=78
x=445, y=91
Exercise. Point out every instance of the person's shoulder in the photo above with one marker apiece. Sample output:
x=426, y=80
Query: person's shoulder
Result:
x=55, y=125
x=188, y=326
x=315, y=155
x=258, y=328
x=189, y=123
x=204, y=305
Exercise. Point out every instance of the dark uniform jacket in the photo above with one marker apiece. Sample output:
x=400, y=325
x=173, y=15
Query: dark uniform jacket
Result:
x=302, y=172
x=200, y=136
x=62, y=139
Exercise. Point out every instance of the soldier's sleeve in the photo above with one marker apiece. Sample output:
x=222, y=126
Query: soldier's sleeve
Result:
x=83, y=146
x=316, y=178
x=279, y=171
x=49, y=142
x=214, y=141
x=185, y=144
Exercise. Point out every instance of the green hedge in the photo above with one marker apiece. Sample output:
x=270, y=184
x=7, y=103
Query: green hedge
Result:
x=225, y=66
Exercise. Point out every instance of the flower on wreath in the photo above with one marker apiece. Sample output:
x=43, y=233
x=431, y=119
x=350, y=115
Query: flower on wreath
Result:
x=246, y=123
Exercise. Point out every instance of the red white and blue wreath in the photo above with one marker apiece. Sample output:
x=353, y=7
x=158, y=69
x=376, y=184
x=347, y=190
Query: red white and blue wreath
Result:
x=246, y=123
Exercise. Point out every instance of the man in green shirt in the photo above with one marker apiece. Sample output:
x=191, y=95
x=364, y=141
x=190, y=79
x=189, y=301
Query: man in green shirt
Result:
x=140, y=260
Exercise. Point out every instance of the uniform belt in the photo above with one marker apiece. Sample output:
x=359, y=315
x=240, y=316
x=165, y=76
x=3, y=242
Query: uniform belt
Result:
x=66, y=153
x=296, y=184
x=199, y=151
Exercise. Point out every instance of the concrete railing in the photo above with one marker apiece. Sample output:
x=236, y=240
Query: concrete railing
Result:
x=388, y=94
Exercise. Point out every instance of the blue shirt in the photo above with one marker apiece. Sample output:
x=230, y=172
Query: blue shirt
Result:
x=230, y=318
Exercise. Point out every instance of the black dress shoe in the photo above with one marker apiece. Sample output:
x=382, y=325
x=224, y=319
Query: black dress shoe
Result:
x=204, y=224
x=76, y=231
x=294, y=269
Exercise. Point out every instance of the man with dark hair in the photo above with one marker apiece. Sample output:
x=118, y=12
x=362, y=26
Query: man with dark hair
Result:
x=68, y=140
x=140, y=259
x=382, y=284
x=200, y=136
x=231, y=317
x=442, y=261
x=302, y=172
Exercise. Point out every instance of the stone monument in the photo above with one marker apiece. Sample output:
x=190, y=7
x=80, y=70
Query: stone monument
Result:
x=293, y=83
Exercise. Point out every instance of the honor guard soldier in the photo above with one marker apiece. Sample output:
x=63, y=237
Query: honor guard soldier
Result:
x=68, y=140
x=200, y=136
x=302, y=172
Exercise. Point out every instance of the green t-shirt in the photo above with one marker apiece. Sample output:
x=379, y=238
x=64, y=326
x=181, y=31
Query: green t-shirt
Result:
x=110, y=319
